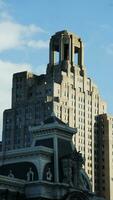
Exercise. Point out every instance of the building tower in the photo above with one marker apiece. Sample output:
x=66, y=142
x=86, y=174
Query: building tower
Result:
x=76, y=98
x=65, y=90
x=105, y=155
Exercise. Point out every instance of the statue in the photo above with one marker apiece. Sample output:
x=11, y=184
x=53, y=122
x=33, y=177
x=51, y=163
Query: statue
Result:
x=71, y=165
x=67, y=171
x=30, y=175
x=49, y=175
x=70, y=176
x=11, y=175
x=84, y=182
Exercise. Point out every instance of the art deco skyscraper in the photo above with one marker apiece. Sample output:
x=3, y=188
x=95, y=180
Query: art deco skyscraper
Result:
x=76, y=98
x=65, y=90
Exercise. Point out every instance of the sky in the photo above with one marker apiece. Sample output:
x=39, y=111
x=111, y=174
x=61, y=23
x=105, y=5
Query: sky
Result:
x=27, y=25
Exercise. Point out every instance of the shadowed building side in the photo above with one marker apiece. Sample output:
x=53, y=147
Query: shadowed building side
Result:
x=51, y=169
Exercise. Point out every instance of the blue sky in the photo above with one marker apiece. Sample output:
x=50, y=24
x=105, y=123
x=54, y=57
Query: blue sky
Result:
x=27, y=25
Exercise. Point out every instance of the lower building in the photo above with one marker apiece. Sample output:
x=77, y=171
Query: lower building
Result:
x=105, y=156
x=50, y=169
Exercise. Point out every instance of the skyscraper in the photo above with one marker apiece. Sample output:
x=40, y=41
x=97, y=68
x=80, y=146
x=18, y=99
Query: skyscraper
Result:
x=65, y=90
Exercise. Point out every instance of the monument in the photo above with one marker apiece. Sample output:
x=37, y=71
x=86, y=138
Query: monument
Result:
x=50, y=169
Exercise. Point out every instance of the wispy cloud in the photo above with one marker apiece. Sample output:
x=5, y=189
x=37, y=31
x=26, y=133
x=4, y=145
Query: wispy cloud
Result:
x=4, y=10
x=2, y=4
x=109, y=49
x=15, y=35
x=104, y=27
x=38, y=44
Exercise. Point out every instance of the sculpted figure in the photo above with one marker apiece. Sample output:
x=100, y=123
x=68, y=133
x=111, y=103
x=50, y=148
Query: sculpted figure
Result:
x=30, y=175
x=49, y=175
x=11, y=175
x=67, y=172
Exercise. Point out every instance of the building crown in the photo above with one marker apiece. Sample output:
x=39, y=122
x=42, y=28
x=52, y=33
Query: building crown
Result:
x=66, y=46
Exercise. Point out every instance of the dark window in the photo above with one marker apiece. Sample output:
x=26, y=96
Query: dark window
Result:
x=45, y=142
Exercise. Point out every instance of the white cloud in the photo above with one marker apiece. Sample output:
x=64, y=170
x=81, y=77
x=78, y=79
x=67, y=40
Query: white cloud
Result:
x=41, y=69
x=4, y=10
x=14, y=35
x=7, y=69
x=38, y=44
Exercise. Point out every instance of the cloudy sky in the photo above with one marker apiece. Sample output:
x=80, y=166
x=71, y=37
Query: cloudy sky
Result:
x=27, y=25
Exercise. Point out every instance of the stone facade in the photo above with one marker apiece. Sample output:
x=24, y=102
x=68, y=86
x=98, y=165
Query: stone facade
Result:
x=50, y=169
